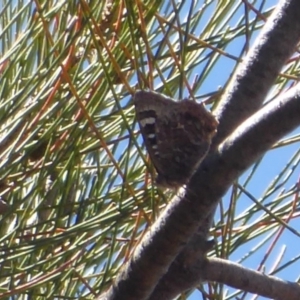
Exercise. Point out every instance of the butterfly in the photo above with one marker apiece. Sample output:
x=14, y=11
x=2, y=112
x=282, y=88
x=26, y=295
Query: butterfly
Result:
x=177, y=135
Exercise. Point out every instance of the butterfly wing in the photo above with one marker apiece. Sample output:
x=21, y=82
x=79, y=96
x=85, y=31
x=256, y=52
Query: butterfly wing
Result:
x=177, y=135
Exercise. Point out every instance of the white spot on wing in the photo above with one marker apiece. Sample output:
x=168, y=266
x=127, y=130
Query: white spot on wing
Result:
x=147, y=121
x=151, y=136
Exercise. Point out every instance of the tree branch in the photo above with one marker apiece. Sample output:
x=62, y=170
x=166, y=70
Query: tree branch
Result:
x=255, y=76
x=185, y=272
x=236, y=276
x=180, y=220
x=239, y=151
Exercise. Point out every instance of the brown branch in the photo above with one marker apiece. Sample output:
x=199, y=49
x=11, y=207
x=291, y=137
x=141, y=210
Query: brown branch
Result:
x=237, y=276
x=237, y=153
x=181, y=219
x=255, y=76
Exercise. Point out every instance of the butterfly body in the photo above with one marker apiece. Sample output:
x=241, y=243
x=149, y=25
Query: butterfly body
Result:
x=177, y=135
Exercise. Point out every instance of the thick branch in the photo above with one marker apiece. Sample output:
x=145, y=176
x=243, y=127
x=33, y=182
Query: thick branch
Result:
x=180, y=220
x=247, y=143
x=236, y=276
x=254, y=77
x=244, y=96
x=233, y=275
x=185, y=271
